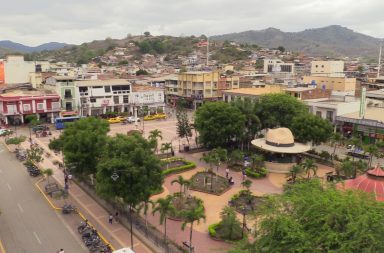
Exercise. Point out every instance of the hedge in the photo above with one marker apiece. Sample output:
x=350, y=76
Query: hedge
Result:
x=212, y=229
x=188, y=166
x=262, y=172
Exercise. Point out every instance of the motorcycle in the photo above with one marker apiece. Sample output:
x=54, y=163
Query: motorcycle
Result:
x=68, y=208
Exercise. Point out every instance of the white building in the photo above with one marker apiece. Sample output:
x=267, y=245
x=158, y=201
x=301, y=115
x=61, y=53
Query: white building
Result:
x=16, y=70
x=278, y=66
x=327, y=68
x=115, y=95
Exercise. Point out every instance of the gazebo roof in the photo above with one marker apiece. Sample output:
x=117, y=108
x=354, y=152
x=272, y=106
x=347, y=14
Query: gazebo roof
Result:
x=370, y=182
x=280, y=140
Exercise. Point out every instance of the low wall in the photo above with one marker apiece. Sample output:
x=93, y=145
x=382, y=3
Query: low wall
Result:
x=278, y=167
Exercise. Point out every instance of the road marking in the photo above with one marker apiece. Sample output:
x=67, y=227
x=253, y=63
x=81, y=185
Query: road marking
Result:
x=9, y=187
x=21, y=209
x=37, y=238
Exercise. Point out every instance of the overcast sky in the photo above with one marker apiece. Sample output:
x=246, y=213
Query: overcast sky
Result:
x=34, y=22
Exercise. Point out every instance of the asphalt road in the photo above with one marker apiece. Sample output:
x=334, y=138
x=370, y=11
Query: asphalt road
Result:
x=27, y=223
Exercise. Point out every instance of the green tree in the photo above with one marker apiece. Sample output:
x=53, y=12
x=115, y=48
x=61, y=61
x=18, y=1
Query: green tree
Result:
x=336, y=139
x=190, y=217
x=257, y=161
x=183, y=125
x=247, y=184
x=128, y=170
x=181, y=181
x=295, y=170
x=153, y=136
x=219, y=123
x=147, y=34
x=48, y=173
x=248, y=108
x=165, y=147
x=145, y=205
x=141, y=72
x=279, y=110
x=308, y=166
x=165, y=207
x=236, y=157
x=281, y=49
x=35, y=154
x=229, y=226
x=313, y=217
x=308, y=127
x=347, y=168
x=16, y=140
x=82, y=143
x=372, y=150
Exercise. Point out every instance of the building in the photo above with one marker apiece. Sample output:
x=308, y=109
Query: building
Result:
x=198, y=87
x=340, y=84
x=14, y=70
x=303, y=93
x=98, y=97
x=370, y=126
x=331, y=108
x=64, y=86
x=278, y=66
x=254, y=93
x=17, y=103
x=171, y=90
x=327, y=68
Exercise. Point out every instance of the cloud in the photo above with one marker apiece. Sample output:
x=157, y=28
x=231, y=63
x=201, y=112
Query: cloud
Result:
x=78, y=21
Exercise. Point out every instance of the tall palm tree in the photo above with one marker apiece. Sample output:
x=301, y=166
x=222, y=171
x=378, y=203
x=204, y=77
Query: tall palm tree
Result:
x=166, y=146
x=190, y=217
x=181, y=181
x=165, y=207
x=154, y=135
x=145, y=206
x=336, y=139
x=308, y=166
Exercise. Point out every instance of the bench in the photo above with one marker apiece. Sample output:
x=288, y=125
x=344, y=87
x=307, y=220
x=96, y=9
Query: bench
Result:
x=51, y=188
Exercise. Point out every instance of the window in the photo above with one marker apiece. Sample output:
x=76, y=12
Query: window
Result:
x=107, y=88
x=93, y=100
x=68, y=106
x=330, y=115
x=27, y=108
x=68, y=94
x=125, y=99
x=116, y=99
x=40, y=106
x=318, y=114
x=97, y=87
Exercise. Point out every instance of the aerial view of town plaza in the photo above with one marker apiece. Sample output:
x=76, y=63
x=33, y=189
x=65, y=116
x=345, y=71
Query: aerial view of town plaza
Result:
x=191, y=126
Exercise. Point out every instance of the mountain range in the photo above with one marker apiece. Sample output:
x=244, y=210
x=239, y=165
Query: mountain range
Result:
x=332, y=41
x=7, y=46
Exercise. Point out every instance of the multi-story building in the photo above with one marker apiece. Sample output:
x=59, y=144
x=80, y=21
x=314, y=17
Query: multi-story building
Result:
x=327, y=68
x=98, y=97
x=278, y=66
x=15, y=104
x=200, y=86
x=64, y=86
x=171, y=90
x=253, y=93
x=341, y=84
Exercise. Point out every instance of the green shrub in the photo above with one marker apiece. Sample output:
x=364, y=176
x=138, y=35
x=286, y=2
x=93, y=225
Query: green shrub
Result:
x=188, y=166
x=259, y=173
x=212, y=229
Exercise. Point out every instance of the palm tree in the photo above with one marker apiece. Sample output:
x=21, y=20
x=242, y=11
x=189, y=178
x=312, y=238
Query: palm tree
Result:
x=165, y=207
x=257, y=161
x=181, y=181
x=166, y=146
x=145, y=206
x=48, y=173
x=296, y=169
x=190, y=217
x=373, y=151
x=336, y=139
x=309, y=165
x=153, y=135
x=187, y=183
x=247, y=184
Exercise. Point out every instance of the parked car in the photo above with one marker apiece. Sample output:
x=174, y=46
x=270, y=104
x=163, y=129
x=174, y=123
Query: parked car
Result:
x=115, y=120
x=40, y=128
x=131, y=119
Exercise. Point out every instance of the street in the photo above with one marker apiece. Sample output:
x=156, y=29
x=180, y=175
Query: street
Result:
x=27, y=223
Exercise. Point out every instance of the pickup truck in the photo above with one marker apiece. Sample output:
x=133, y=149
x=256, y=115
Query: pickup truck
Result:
x=357, y=152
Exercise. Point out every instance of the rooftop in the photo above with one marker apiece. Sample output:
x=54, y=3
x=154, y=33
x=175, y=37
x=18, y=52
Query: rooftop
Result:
x=255, y=91
x=27, y=93
x=371, y=113
x=140, y=88
x=64, y=77
x=102, y=82
x=299, y=89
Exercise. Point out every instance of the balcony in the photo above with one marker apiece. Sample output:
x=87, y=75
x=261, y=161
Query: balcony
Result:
x=68, y=96
x=83, y=93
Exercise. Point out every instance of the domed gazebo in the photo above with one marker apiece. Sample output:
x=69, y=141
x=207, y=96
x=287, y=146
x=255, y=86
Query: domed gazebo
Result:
x=372, y=182
x=280, y=149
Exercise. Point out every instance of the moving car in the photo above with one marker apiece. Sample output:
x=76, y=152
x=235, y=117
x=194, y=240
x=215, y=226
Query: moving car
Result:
x=40, y=128
x=115, y=120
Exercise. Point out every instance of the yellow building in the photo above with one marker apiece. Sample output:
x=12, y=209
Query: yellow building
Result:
x=332, y=83
x=327, y=68
x=254, y=93
x=201, y=86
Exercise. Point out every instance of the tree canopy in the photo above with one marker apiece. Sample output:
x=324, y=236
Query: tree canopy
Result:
x=310, y=217
x=308, y=127
x=82, y=143
x=278, y=110
x=218, y=123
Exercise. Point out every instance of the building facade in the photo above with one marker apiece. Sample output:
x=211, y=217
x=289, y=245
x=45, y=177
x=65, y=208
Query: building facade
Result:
x=18, y=103
x=64, y=86
x=341, y=84
x=327, y=68
x=278, y=66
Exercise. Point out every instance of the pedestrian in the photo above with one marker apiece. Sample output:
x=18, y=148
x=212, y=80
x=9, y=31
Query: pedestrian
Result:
x=66, y=186
x=226, y=172
x=116, y=216
x=110, y=219
x=65, y=179
x=70, y=178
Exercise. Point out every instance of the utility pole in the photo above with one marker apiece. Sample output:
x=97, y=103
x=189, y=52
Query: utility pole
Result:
x=208, y=51
x=379, y=63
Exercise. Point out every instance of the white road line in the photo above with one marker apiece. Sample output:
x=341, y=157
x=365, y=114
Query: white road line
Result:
x=37, y=238
x=21, y=209
x=9, y=187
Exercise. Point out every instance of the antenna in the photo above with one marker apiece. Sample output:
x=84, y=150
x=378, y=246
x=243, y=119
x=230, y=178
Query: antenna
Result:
x=379, y=63
x=208, y=50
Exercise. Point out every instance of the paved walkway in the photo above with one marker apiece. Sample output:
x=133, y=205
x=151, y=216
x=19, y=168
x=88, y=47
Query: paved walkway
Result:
x=116, y=234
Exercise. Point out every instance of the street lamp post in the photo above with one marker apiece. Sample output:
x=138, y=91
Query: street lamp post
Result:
x=243, y=211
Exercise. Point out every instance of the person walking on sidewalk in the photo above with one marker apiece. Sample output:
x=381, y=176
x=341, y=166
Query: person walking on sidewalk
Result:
x=117, y=216
x=226, y=172
x=110, y=219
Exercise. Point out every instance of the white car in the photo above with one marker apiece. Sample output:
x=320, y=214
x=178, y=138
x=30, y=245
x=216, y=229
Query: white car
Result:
x=131, y=119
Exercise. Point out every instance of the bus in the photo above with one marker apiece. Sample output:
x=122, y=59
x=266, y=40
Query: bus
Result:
x=60, y=122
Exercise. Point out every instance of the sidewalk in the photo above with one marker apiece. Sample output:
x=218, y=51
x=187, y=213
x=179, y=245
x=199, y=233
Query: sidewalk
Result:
x=117, y=235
